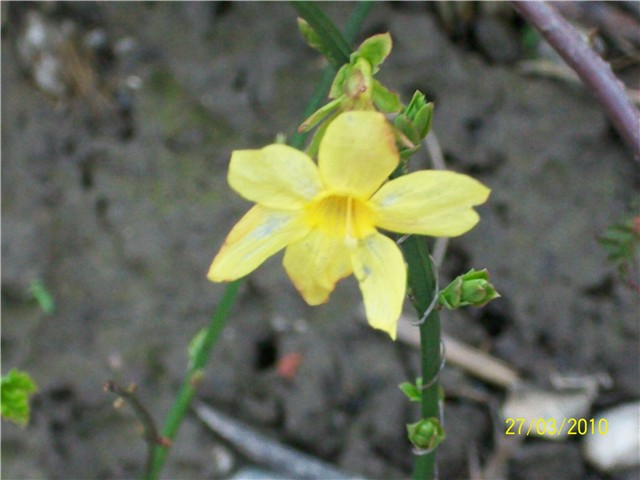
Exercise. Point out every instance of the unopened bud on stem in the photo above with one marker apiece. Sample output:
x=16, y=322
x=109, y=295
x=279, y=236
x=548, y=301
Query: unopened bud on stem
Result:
x=473, y=288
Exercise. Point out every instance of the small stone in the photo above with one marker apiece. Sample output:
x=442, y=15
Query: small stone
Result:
x=615, y=442
x=222, y=460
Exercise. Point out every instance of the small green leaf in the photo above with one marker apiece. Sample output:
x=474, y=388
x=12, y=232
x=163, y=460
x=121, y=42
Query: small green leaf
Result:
x=619, y=233
x=310, y=35
x=385, y=100
x=335, y=47
x=410, y=390
x=621, y=241
x=16, y=388
x=413, y=392
x=375, y=49
x=195, y=345
x=42, y=296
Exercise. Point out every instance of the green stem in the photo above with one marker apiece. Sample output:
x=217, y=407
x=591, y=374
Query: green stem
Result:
x=422, y=281
x=189, y=385
x=201, y=355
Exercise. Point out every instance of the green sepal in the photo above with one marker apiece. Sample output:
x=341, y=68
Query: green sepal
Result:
x=404, y=125
x=374, y=50
x=310, y=35
x=413, y=392
x=337, y=87
x=16, y=388
x=472, y=288
x=317, y=116
x=422, y=120
x=426, y=434
x=384, y=99
x=418, y=101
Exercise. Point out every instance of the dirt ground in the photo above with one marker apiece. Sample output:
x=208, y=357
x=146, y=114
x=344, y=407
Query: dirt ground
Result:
x=114, y=195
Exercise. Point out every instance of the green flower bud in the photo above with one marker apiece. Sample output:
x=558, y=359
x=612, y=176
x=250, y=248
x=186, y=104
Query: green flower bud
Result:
x=414, y=122
x=426, y=434
x=418, y=101
x=472, y=288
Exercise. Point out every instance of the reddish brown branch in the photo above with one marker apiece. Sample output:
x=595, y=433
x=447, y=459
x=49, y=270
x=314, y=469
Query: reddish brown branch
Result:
x=589, y=66
x=150, y=432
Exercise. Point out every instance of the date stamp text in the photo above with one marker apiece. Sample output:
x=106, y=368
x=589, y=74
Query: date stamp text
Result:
x=558, y=427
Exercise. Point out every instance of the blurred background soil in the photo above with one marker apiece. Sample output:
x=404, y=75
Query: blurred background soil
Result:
x=117, y=130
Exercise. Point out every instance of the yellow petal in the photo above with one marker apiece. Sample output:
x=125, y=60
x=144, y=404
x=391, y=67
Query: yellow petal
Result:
x=276, y=176
x=357, y=153
x=315, y=264
x=258, y=235
x=429, y=202
x=379, y=267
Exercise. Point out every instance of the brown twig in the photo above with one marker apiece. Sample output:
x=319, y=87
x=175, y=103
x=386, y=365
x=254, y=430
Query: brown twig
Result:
x=150, y=431
x=590, y=67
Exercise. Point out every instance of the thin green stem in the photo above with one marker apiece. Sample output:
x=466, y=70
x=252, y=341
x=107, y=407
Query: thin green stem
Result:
x=422, y=282
x=218, y=321
x=189, y=385
x=355, y=20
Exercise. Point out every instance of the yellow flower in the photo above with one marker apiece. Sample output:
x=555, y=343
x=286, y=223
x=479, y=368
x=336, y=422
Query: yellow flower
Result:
x=327, y=215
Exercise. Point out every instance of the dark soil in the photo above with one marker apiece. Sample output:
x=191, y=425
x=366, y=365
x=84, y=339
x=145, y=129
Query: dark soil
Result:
x=114, y=195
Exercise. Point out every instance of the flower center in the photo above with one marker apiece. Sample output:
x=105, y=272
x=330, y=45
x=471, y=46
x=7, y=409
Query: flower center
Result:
x=341, y=217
